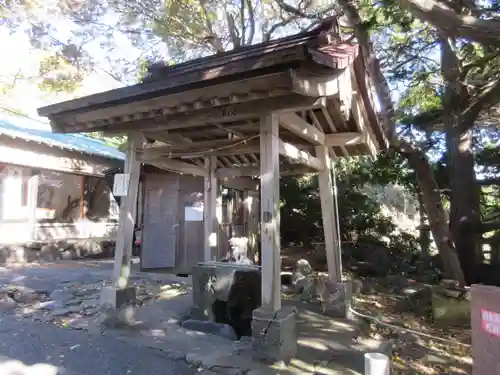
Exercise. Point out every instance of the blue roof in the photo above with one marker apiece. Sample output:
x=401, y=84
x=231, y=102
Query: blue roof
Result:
x=71, y=142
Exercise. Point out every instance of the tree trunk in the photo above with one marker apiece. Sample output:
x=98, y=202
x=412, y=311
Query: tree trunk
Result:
x=464, y=196
x=446, y=19
x=438, y=219
x=424, y=234
x=464, y=202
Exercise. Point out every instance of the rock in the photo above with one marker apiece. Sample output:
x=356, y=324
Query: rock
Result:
x=227, y=370
x=91, y=311
x=175, y=355
x=48, y=305
x=301, y=271
x=61, y=295
x=122, y=317
x=88, y=248
x=7, y=303
x=72, y=302
x=86, y=292
x=90, y=303
x=449, y=310
x=63, y=311
x=50, y=253
x=22, y=294
x=223, y=330
x=193, y=359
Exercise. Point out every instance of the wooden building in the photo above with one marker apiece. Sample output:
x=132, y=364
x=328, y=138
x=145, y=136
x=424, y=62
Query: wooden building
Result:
x=172, y=218
x=244, y=116
x=52, y=186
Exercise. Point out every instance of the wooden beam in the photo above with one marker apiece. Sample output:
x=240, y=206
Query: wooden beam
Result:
x=187, y=119
x=173, y=139
x=332, y=126
x=52, y=158
x=193, y=147
x=251, y=171
x=299, y=156
x=260, y=84
x=300, y=127
x=344, y=139
x=328, y=211
x=270, y=212
x=124, y=237
x=308, y=84
x=240, y=183
x=178, y=166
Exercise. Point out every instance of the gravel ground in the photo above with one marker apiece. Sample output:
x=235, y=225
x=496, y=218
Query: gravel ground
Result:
x=70, y=352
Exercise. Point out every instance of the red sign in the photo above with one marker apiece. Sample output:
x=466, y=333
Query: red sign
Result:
x=490, y=322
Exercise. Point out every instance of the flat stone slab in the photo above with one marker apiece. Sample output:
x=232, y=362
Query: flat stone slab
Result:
x=213, y=328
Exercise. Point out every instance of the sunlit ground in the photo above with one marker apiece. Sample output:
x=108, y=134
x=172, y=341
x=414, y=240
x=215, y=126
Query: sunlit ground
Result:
x=10, y=366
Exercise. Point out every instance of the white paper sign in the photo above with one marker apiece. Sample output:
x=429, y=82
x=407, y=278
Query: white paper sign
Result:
x=120, y=184
x=193, y=213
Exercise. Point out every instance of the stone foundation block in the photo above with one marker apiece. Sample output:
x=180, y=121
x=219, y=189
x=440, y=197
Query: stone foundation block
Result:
x=450, y=305
x=340, y=301
x=116, y=298
x=274, y=334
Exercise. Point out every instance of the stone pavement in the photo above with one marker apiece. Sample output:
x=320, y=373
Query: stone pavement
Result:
x=66, y=294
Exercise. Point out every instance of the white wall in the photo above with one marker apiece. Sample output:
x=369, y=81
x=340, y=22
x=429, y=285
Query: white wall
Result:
x=15, y=225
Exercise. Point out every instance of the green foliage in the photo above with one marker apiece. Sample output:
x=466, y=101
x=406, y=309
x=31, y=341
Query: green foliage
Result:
x=58, y=74
x=360, y=215
x=116, y=142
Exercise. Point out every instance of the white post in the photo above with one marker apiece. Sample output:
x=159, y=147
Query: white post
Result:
x=270, y=212
x=332, y=248
x=128, y=208
x=210, y=206
x=377, y=364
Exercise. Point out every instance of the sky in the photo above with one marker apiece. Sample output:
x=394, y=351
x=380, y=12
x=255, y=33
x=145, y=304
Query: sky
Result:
x=23, y=58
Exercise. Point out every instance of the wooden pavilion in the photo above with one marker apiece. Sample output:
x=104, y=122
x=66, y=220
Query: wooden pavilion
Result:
x=282, y=107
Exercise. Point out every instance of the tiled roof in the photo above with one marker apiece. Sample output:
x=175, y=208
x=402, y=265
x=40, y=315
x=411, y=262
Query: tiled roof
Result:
x=13, y=128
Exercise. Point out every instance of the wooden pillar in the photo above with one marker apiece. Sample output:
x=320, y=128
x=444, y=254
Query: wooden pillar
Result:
x=332, y=245
x=128, y=208
x=33, y=184
x=210, y=208
x=82, y=197
x=270, y=212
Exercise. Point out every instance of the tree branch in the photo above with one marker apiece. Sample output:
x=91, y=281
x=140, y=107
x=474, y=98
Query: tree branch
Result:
x=452, y=24
x=233, y=31
x=213, y=39
x=243, y=25
x=292, y=10
x=251, y=18
x=485, y=100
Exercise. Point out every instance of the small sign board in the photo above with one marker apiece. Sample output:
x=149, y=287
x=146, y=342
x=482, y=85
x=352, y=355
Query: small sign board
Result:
x=120, y=184
x=193, y=213
x=490, y=321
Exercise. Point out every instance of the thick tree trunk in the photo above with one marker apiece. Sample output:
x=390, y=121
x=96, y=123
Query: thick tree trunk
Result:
x=464, y=198
x=464, y=202
x=438, y=219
